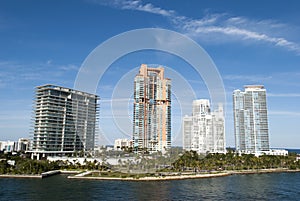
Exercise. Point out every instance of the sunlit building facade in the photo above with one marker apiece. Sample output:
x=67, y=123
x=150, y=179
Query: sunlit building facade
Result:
x=7, y=146
x=251, y=120
x=23, y=144
x=123, y=144
x=204, y=131
x=187, y=132
x=64, y=121
x=151, y=110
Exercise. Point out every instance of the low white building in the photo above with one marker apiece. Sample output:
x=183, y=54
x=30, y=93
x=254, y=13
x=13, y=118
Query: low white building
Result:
x=277, y=152
x=23, y=144
x=121, y=144
x=7, y=146
x=73, y=160
x=12, y=146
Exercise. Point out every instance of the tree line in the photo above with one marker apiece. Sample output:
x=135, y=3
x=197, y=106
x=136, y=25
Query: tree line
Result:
x=190, y=160
x=24, y=165
x=173, y=160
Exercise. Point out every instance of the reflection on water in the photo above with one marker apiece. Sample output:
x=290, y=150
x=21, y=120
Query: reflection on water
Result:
x=275, y=186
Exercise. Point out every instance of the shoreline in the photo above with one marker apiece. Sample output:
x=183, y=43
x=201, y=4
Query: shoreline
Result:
x=183, y=177
x=82, y=175
x=28, y=176
x=39, y=176
x=160, y=178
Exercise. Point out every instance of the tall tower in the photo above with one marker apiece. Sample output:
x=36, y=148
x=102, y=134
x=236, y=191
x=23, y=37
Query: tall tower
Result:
x=151, y=110
x=250, y=119
x=201, y=140
x=187, y=132
x=208, y=131
x=65, y=121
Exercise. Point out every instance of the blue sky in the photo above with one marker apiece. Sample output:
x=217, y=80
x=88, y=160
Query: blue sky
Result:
x=250, y=42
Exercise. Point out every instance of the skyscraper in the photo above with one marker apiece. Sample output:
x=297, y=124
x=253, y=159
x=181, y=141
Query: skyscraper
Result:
x=65, y=121
x=251, y=120
x=187, y=132
x=151, y=110
x=204, y=131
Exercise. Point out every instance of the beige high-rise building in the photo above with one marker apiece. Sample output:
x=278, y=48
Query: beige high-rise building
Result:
x=151, y=110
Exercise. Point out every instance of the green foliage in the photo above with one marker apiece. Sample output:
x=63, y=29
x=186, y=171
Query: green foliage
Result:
x=173, y=160
x=4, y=167
x=231, y=161
x=27, y=166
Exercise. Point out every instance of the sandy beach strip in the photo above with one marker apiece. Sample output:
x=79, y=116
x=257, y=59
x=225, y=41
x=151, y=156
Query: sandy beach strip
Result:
x=20, y=176
x=40, y=176
x=158, y=178
x=83, y=175
x=181, y=177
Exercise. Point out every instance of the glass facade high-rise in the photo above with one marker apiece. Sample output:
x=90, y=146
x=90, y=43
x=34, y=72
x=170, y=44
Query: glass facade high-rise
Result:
x=251, y=120
x=204, y=131
x=65, y=121
x=151, y=110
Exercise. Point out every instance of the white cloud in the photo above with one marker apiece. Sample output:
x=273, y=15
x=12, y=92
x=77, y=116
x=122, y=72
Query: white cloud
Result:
x=225, y=27
x=236, y=28
x=135, y=5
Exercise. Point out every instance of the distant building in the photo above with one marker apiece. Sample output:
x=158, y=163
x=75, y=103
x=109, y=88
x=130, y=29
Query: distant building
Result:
x=204, y=131
x=276, y=152
x=65, y=121
x=121, y=144
x=187, y=127
x=12, y=146
x=7, y=146
x=151, y=110
x=251, y=120
x=23, y=144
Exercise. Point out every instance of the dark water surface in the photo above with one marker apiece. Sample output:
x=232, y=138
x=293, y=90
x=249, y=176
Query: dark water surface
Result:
x=272, y=186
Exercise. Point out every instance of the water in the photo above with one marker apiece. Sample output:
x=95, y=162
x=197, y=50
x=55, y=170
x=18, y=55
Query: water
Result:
x=272, y=186
x=297, y=151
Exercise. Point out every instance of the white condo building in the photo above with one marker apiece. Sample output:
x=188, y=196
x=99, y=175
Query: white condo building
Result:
x=64, y=121
x=7, y=146
x=121, y=144
x=11, y=146
x=251, y=120
x=187, y=132
x=204, y=131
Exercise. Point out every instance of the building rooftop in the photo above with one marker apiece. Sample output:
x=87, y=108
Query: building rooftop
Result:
x=254, y=86
x=55, y=87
